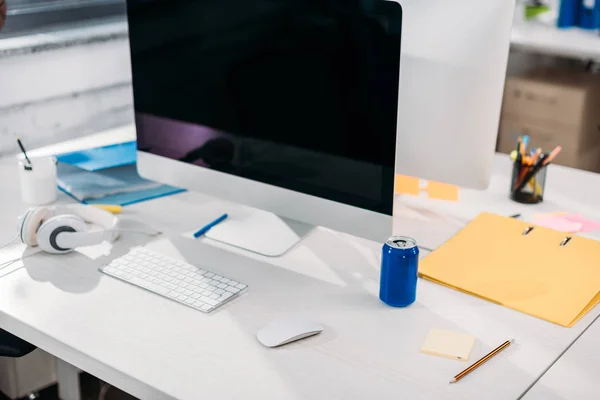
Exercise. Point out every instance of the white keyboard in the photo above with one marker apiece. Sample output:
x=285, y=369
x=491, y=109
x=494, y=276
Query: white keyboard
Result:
x=174, y=279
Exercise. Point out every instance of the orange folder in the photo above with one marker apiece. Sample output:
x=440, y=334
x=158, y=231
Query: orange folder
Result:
x=495, y=258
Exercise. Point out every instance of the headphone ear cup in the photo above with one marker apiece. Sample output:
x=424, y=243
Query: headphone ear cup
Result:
x=31, y=223
x=46, y=235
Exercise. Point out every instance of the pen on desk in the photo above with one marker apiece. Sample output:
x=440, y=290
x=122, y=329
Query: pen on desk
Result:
x=207, y=227
x=481, y=361
x=25, y=154
x=515, y=216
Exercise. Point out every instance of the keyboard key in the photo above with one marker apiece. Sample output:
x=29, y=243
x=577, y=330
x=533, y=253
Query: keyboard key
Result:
x=187, y=292
x=209, y=275
x=232, y=289
x=241, y=286
x=222, y=285
x=219, y=291
x=210, y=301
x=206, y=307
x=217, y=277
x=225, y=296
x=214, y=296
x=195, y=296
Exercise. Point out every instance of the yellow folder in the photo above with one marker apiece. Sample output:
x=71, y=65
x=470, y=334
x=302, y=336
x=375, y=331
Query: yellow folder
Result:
x=505, y=261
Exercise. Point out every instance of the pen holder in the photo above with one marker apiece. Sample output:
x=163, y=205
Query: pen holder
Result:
x=38, y=181
x=533, y=191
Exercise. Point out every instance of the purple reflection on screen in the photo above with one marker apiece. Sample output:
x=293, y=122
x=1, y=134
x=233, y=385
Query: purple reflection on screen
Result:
x=169, y=138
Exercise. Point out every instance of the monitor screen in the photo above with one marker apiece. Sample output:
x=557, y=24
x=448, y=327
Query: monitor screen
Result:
x=300, y=94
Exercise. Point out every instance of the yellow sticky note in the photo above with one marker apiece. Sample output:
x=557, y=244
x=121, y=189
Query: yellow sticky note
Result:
x=406, y=185
x=449, y=344
x=442, y=191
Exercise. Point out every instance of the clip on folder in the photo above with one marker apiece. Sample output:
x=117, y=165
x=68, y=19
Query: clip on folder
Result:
x=545, y=273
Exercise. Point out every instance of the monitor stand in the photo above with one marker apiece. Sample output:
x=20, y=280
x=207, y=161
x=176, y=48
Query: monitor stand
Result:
x=259, y=231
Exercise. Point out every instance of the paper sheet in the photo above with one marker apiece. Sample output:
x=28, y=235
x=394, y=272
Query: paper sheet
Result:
x=406, y=185
x=442, y=191
x=560, y=224
x=449, y=344
x=586, y=224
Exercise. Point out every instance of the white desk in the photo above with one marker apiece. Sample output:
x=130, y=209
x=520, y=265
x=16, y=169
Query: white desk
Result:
x=575, y=374
x=157, y=349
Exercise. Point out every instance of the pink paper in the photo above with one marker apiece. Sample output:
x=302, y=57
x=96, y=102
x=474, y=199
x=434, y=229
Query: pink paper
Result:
x=558, y=224
x=586, y=224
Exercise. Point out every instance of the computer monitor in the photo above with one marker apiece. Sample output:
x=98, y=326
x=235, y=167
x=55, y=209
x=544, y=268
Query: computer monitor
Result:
x=454, y=59
x=287, y=106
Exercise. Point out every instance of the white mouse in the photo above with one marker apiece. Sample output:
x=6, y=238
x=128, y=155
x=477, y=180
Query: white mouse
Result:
x=286, y=331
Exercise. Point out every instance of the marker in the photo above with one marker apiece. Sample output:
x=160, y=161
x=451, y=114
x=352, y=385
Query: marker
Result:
x=552, y=155
x=206, y=228
x=115, y=209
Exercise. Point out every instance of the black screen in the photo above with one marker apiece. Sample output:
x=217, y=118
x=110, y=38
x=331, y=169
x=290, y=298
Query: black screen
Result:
x=301, y=94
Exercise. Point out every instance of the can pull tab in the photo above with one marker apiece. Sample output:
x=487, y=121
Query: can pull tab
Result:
x=400, y=242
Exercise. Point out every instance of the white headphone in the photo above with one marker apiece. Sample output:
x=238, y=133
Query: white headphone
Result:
x=59, y=230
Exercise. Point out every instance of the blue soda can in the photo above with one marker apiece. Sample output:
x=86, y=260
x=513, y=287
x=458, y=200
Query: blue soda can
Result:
x=399, y=269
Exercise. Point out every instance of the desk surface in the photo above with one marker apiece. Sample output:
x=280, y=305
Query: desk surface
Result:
x=157, y=349
x=575, y=374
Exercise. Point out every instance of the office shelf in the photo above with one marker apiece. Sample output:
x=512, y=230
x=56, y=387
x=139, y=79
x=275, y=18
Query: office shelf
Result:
x=572, y=42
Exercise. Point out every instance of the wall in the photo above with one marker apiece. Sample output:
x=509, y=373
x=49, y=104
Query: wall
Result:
x=65, y=84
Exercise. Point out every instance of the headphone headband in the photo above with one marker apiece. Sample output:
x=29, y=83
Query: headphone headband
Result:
x=89, y=214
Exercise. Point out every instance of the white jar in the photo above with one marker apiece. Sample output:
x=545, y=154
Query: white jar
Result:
x=38, y=180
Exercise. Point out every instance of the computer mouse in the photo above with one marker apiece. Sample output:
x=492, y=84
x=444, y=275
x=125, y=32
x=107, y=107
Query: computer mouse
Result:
x=278, y=333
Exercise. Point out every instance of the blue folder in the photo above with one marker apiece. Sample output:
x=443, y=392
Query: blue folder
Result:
x=99, y=158
x=107, y=175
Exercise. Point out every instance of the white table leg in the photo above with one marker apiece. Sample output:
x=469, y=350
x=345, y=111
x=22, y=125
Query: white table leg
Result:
x=67, y=377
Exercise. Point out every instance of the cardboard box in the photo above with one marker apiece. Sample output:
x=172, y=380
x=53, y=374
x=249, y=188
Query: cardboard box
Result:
x=548, y=135
x=554, y=107
x=557, y=96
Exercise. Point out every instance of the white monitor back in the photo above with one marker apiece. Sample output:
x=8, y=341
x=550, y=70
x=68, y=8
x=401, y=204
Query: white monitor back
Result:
x=452, y=73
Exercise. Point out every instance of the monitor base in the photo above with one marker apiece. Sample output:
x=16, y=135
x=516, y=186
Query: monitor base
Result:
x=259, y=231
